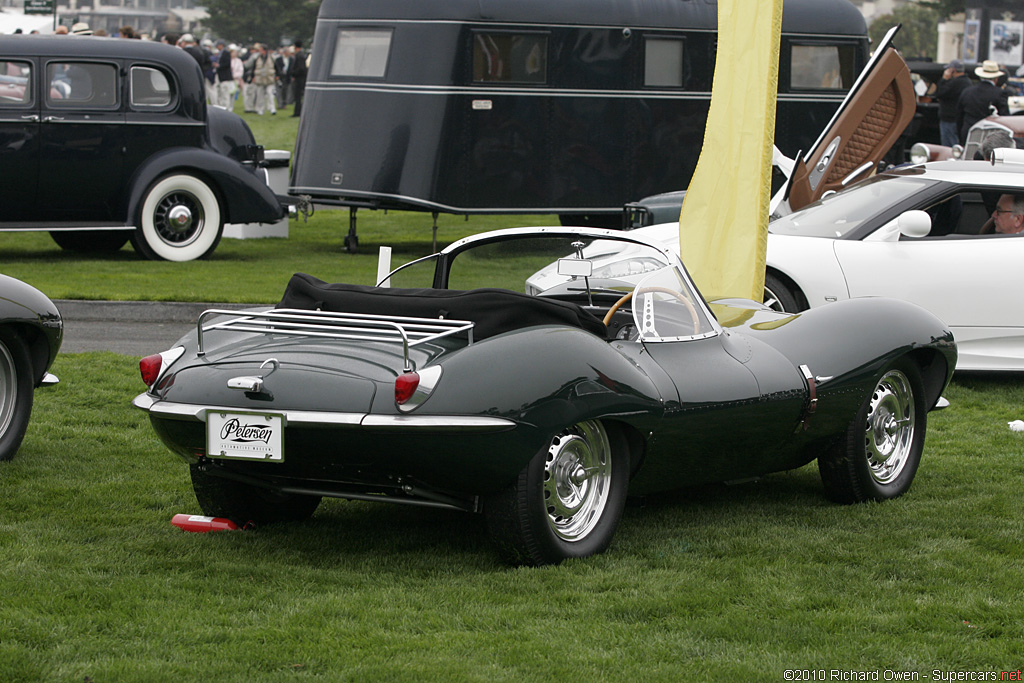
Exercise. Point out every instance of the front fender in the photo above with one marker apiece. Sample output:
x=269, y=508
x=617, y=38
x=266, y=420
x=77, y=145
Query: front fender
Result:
x=244, y=194
x=852, y=340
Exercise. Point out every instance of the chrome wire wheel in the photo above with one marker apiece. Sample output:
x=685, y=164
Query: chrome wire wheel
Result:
x=8, y=388
x=577, y=480
x=889, y=429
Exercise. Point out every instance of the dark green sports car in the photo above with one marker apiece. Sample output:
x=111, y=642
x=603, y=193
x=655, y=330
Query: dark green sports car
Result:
x=510, y=374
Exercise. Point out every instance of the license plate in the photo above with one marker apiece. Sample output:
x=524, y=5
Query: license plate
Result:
x=245, y=436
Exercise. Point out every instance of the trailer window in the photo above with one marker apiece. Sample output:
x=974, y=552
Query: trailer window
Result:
x=822, y=67
x=362, y=53
x=664, y=62
x=510, y=58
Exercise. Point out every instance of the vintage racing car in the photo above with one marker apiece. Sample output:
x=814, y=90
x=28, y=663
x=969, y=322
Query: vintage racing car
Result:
x=456, y=388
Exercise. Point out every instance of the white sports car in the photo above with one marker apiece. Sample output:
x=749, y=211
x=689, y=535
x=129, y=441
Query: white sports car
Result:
x=911, y=233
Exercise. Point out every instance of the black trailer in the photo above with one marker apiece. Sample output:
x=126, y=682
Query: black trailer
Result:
x=571, y=107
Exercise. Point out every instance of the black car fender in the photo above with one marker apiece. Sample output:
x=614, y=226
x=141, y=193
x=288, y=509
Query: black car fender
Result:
x=245, y=197
x=831, y=342
x=30, y=313
x=546, y=378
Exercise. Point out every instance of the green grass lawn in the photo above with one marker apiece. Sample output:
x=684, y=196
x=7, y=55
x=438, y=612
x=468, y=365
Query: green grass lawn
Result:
x=716, y=583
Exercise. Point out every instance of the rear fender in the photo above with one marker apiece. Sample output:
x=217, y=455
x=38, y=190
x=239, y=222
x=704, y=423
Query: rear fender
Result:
x=243, y=192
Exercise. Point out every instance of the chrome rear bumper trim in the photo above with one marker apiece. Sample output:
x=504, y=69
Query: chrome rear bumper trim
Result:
x=312, y=418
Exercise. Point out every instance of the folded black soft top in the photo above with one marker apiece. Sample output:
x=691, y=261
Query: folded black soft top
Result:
x=493, y=311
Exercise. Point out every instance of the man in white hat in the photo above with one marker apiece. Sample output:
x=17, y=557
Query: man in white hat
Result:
x=81, y=29
x=981, y=100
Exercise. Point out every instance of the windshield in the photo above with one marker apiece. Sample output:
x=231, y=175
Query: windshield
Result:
x=665, y=309
x=638, y=290
x=840, y=214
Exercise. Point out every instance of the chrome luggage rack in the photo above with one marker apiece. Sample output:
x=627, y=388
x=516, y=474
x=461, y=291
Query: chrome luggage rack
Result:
x=325, y=324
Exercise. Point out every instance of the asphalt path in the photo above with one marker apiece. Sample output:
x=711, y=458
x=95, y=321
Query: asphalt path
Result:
x=131, y=328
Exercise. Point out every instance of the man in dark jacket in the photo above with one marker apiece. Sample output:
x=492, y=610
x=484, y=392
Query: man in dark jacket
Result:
x=947, y=93
x=225, y=79
x=282, y=66
x=978, y=101
x=298, y=73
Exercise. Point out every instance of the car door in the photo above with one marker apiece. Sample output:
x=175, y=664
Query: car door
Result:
x=157, y=116
x=19, y=139
x=81, y=154
x=971, y=282
x=869, y=121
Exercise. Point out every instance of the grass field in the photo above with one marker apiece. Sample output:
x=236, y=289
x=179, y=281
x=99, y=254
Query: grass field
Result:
x=717, y=583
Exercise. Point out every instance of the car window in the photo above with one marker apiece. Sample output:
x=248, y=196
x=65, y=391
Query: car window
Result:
x=150, y=88
x=81, y=84
x=842, y=213
x=15, y=83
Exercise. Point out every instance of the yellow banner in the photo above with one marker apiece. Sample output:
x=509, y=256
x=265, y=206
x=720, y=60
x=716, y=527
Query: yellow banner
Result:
x=723, y=226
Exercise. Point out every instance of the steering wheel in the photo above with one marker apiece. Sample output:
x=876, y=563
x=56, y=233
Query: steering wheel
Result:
x=664, y=290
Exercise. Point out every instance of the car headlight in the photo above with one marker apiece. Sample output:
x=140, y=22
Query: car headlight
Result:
x=626, y=268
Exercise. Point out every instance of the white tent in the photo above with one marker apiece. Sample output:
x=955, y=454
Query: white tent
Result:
x=11, y=20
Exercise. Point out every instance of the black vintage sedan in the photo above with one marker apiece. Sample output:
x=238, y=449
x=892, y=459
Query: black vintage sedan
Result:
x=103, y=140
x=31, y=331
x=470, y=384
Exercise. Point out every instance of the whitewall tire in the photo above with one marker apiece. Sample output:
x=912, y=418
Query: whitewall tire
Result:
x=180, y=220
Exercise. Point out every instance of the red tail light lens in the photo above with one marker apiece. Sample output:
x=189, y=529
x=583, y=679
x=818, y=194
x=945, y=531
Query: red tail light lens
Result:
x=405, y=386
x=150, y=368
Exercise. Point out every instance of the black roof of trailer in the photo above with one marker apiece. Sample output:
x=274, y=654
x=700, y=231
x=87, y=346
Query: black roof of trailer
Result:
x=823, y=17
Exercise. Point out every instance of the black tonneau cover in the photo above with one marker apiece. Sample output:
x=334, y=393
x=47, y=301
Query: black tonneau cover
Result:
x=493, y=311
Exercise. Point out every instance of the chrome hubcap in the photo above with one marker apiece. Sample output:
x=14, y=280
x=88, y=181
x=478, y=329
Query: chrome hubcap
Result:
x=178, y=218
x=577, y=480
x=889, y=432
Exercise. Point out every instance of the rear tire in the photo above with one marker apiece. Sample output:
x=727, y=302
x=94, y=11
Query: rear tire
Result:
x=16, y=393
x=881, y=450
x=566, y=502
x=85, y=241
x=244, y=503
x=179, y=220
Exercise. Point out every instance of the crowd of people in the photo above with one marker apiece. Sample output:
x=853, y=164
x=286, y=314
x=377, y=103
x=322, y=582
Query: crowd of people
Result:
x=266, y=79
x=963, y=102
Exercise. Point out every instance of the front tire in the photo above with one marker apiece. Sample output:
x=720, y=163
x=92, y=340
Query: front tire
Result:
x=880, y=453
x=180, y=220
x=16, y=393
x=244, y=503
x=778, y=297
x=567, y=501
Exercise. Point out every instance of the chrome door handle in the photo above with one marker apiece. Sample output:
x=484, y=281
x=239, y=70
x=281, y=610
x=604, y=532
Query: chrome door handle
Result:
x=31, y=117
x=50, y=119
